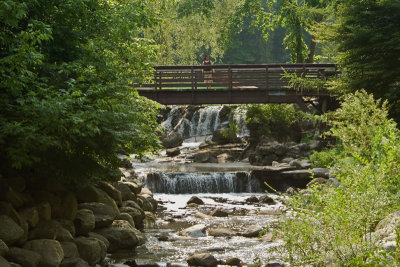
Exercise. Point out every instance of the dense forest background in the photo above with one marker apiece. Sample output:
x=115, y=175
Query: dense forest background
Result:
x=67, y=67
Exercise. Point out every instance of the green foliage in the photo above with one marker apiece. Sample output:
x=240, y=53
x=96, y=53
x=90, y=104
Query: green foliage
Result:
x=66, y=74
x=325, y=158
x=327, y=225
x=367, y=37
x=273, y=120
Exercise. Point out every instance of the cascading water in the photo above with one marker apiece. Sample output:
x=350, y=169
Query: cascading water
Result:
x=174, y=182
x=190, y=183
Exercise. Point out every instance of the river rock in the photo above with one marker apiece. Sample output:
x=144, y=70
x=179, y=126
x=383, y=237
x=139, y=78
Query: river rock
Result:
x=70, y=249
x=92, y=250
x=146, y=203
x=172, y=152
x=198, y=230
x=252, y=231
x=84, y=221
x=136, y=214
x=126, y=217
x=99, y=237
x=221, y=231
x=74, y=262
x=137, y=188
x=10, y=231
x=267, y=200
x=204, y=157
x=121, y=235
x=252, y=199
x=30, y=215
x=104, y=214
x=267, y=237
x=111, y=191
x=172, y=140
x=63, y=204
x=46, y=230
x=50, y=250
x=233, y=262
x=24, y=257
x=126, y=192
x=195, y=200
x=67, y=224
x=44, y=210
x=219, y=212
x=4, y=262
x=149, y=220
x=202, y=259
x=221, y=139
x=225, y=158
x=202, y=216
x=94, y=194
x=3, y=248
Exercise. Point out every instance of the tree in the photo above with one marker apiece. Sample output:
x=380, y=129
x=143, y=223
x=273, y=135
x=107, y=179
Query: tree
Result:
x=67, y=104
x=367, y=39
x=189, y=29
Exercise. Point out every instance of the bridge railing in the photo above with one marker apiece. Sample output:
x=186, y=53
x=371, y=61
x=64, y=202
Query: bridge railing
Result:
x=271, y=77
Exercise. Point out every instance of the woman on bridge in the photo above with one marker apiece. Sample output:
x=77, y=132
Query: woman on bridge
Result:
x=207, y=71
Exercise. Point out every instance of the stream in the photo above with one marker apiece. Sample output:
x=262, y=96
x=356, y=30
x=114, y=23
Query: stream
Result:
x=228, y=186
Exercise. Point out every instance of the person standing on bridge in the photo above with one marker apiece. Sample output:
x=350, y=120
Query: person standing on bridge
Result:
x=207, y=71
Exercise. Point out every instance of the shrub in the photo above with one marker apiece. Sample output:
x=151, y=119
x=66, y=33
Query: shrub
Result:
x=274, y=120
x=327, y=225
x=67, y=104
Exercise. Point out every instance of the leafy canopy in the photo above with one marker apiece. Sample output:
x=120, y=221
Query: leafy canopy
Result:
x=66, y=73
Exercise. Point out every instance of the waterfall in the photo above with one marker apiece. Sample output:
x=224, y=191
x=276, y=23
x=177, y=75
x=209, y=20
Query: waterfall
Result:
x=189, y=183
x=202, y=122
x=205, y=121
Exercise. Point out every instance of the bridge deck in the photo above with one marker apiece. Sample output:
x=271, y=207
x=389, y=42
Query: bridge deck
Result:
x=232, y=84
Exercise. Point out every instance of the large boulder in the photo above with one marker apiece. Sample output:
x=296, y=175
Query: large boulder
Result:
x=84, y=221
x=24, y=257
x=104, y=214
x=30, y=215
x=92, y=250
x=67, y=224
x=94, y=194
x=198, y=230
x=3, y=248
x=10, y=231
x=126, y=192
x=99, y=237
x=202, y=259
x=174, y=139
x=50, y=250
x=126, y=217
x=70, y=249
x=121, y=235
x=111, y=191
x=205, y=157
x=44, y=210
x=137, y=215
x=147, y=202
x=74, y=262
x=63, y=204
x=4, y=262
x=45, y=230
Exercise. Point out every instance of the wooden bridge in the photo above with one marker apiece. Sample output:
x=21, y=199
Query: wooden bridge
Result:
x=234, y=84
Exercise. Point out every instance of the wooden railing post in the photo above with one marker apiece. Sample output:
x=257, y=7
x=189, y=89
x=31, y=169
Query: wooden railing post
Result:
x=230, y=83
x=266, y=83
x=193, y=87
